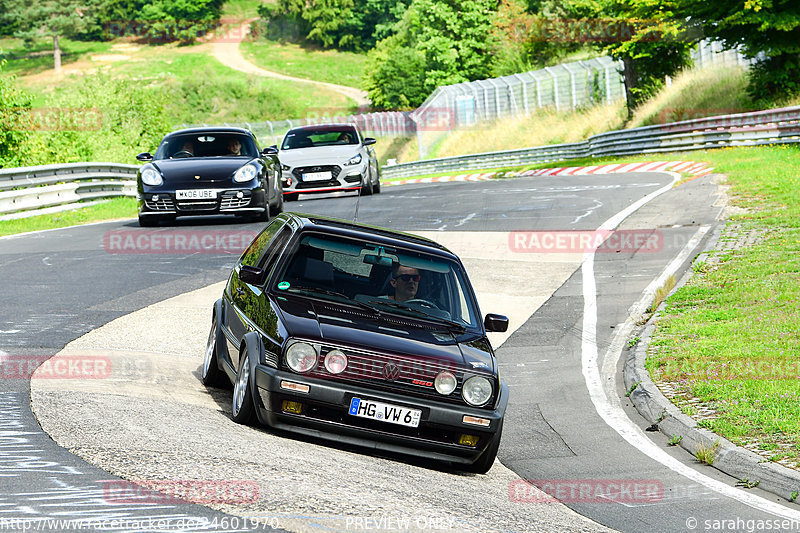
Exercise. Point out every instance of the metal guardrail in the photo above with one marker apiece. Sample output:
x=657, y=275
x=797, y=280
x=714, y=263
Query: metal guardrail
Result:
x=774, y=126
x=31, y=188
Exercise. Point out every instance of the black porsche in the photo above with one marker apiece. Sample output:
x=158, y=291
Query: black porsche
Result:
x=362, y=335
x=208, y=171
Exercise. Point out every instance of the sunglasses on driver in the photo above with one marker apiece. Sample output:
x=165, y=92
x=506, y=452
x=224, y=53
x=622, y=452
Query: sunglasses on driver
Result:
x=408, y=277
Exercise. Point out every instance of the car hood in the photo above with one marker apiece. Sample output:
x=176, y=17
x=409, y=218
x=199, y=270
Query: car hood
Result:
x=333, y=154
x=209, y=169
x=391, y=334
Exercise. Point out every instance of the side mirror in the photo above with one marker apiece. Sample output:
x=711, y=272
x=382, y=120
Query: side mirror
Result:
x=144, y=156
x=270, y=150
x=251, y=275
x=498, y=323
x=369, y=140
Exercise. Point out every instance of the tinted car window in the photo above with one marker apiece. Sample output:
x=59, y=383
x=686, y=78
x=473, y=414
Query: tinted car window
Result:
x=207, y=145
x=332, y=267
x=255, y=251
x=307, y=138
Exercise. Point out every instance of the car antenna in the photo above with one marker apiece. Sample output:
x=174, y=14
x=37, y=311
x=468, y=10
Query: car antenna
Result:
x=358, y=198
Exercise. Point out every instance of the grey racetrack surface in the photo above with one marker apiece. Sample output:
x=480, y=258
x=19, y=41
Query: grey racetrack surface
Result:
x=64, y=284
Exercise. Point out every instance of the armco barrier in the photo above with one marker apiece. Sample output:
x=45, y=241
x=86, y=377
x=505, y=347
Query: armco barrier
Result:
x=774, y=126
x=32, y=188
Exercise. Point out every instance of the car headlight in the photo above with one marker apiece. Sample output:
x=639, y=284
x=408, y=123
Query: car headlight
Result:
x=301, y=357
x=445, y=382
x=246, y=173
x=285, y=167
x=335, y=361
x=356, y=159
x=477, y=390
x=151, y=177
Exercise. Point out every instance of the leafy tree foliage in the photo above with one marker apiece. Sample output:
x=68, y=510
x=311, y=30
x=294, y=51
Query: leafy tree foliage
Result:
x=437, y=42
x=652, y=44
x=768, y=30
x=15, y=107
x=343, y=24
x=160, y=20
x=53, y=19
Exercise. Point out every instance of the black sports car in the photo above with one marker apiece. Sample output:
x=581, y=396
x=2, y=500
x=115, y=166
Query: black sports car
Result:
x=362, y=335
x=208, y=171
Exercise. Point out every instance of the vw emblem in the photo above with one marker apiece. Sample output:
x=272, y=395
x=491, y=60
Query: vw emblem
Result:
x=391, y=371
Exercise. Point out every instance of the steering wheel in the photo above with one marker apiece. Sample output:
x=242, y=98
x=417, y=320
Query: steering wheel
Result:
x=422, y=303
x=183, y=153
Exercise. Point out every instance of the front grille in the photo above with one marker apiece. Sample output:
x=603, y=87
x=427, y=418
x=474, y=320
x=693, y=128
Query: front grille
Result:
x=164, y=203
x=299, y=171
x=229, y=200
x=197, y=205
x=372, y=370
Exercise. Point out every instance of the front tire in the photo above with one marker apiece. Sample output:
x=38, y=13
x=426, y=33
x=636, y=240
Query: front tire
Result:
x=210, y=373
x=278, y=209
x=367, y=189
x=242, y=406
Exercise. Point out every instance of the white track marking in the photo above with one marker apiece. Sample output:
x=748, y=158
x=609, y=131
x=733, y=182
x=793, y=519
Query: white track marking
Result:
x=607, y=403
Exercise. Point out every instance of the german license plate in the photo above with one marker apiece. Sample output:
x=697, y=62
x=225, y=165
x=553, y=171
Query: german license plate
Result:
x=317, y=176
x=394, y=414
x=196, y=194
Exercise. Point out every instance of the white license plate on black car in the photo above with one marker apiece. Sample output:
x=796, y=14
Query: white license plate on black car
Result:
x=196, y=194
x=384, y=412
x=317, y=176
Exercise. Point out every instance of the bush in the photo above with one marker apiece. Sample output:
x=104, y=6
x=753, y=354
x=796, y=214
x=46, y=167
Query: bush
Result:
x=15, y=105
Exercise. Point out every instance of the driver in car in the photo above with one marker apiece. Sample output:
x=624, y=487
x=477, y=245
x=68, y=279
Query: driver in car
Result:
x=405, y=281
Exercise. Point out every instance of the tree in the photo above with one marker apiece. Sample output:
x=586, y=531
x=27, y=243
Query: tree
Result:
x=53, y=19
x=440, y=42
x=765, y=30
x=651, y=42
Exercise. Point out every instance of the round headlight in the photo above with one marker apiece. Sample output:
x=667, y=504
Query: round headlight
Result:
x=335, y=361
x=477, y=390
x=151, y=177
x=301, y=357
x=246, y=173
x=445, y=382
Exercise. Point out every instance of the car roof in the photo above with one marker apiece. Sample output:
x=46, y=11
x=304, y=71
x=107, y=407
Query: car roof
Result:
x=354, y=229
x=210, y=129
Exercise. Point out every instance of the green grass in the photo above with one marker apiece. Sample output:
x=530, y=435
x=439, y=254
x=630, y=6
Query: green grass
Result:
x=110, y=210
x=332, y=66
x=37, y=57
x=222, y=94
x=729, y=338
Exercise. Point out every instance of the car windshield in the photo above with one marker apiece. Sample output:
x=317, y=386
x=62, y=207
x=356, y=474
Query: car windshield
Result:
x=324, y=136
x=207, y=145
x=384, y=279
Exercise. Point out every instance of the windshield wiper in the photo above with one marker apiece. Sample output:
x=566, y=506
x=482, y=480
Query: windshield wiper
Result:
x=451, y=324
x=328, y=292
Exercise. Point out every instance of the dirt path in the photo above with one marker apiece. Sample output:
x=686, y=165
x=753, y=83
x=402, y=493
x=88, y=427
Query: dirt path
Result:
x=226, y=50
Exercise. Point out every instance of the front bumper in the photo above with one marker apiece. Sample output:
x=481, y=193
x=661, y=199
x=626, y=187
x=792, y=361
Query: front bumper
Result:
x=229, y=201
x=343, y=178
x=325, y=415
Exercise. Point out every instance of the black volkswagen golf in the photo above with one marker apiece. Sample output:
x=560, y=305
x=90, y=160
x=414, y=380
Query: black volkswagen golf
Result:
x=208, y=171
x=362, y=335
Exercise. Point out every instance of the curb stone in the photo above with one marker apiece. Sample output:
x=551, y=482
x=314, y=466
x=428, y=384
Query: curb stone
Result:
x=656, y=408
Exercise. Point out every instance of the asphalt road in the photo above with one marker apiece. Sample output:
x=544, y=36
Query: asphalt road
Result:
x=65, y=283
